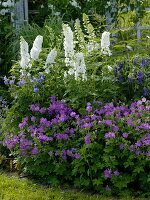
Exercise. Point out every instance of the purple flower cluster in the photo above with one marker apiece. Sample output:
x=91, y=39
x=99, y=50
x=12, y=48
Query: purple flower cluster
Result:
x=123, y=73
x=44, y=138
x=89, y=107
x=138, y=146
x=40, y=79
x=25, y=144
x=24, y=123
x=7, y=81
x=37, y=130
x=60, y=110
x=125, y=135
x=65, y=153
x=87, y=139
x=121, y=65
x=108, y=173
x=37, y=81
x=115, y=128
x=35, y=151
x=140, y=77
x=10, y=141
x=57, y=124
x=145, y=126
x=22, y=82
x=60, y=136
x=109, y=135
x=12, y=81
x=87, y=125
x=70, y=130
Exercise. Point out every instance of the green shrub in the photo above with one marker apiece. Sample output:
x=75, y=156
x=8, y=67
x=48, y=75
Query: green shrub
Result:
x=106, y=149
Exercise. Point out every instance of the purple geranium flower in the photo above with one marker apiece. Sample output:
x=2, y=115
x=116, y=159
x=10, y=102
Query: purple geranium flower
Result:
x=77, y=155
x=148, y=153
x=115, y=128
x=125, y=135
x=137, y=152
x=89, y=108
x=116, y=173
x=33, y=118
x=108, y=173
x=121, y=146
x=108, y=122
x=50, y=153
x=35, y=151
x=87, y=139
x=107, y=188
x=109, y=135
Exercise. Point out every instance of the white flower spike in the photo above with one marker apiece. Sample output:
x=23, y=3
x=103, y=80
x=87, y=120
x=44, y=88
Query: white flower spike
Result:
x=105, y=43
x=24, y=52
x=37, y=47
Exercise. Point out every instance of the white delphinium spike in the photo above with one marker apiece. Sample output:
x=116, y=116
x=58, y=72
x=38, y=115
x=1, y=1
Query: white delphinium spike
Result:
x=68, y=45
x=37, y=47
x=24, y=52
x=80, y=67
x=50, y=59
x=105, y=43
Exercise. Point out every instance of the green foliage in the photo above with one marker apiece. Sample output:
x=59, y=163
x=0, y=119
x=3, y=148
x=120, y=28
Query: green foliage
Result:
x=6, y=37
x=125, y=154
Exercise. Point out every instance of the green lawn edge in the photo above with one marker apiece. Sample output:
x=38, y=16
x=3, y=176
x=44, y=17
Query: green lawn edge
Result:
x=14, y=188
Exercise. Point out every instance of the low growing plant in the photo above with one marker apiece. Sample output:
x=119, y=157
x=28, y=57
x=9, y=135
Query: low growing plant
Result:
x=105, y=149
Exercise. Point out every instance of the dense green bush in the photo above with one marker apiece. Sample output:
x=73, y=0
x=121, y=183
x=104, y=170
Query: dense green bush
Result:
x=106, y=149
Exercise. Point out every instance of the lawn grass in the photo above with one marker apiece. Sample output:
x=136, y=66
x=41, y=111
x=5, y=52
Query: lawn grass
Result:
x=14, y=188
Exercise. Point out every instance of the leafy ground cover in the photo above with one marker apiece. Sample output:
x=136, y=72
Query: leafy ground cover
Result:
x=12, y=188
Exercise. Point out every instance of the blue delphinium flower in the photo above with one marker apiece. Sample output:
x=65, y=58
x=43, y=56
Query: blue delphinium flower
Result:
x=40, y=79
x=135, y=63
x=140, y=77
x=35, y=88
x=145, y=91
x=130, y=79
x=120, y=79
x=120, y=67
x=143, y=62
x=22, y=82
x=11, y=82
x=5, y=80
